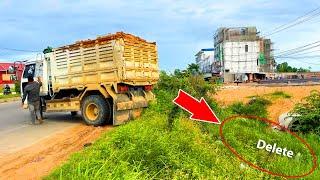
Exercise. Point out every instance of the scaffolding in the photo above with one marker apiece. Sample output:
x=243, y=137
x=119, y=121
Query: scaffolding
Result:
x=244, y=49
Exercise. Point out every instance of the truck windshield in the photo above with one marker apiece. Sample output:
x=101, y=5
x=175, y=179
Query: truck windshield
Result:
x=29, y=70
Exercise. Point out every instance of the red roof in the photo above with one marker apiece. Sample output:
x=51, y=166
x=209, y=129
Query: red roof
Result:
x=5, y=66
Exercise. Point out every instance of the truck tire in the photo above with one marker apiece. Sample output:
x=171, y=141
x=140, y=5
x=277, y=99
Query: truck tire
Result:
x=96, y=110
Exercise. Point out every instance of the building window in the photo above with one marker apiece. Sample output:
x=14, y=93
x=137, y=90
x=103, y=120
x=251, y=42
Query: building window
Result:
x=247, y=48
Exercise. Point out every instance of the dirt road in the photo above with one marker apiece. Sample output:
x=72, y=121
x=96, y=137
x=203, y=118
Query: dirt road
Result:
x=230, y=94
x=31, y=152
x=16, y=132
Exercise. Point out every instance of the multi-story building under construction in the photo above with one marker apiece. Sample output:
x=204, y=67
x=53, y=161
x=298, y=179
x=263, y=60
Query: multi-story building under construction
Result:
x=241, y=54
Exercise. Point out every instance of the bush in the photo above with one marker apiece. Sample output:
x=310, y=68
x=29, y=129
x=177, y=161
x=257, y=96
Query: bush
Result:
x=309, y=114
x=192, y=84
x=255, y=107
x=189, y=81
x=17, y=87
x=280, y=94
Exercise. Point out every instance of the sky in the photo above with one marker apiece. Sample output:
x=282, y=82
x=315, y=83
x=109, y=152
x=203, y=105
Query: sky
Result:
x=180, y=27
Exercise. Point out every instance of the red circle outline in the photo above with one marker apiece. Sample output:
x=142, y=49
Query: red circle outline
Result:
x=314, y=157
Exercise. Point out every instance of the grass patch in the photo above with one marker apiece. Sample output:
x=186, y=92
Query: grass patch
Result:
x=9, y=96
x=279, y=94
x=273, y=96
x=147, y=149
x=255, y=107
x=164, y=144
x=243, y=135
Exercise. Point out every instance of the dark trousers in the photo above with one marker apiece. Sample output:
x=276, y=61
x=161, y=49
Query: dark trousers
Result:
x=34, y=108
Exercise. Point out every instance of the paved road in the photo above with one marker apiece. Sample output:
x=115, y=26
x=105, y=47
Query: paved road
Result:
x=17, y=133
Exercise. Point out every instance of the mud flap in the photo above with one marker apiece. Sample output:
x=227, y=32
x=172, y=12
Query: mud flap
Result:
x=130, y=105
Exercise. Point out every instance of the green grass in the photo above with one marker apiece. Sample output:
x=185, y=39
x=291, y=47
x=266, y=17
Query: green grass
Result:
x=164, y=144
x=255, y=107
x=9, y=96
x=273, y=96
x=279, y=94
x=148, y=149
x=243, y=135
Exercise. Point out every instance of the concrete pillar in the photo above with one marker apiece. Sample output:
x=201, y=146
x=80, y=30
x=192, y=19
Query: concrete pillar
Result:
x=250, y=77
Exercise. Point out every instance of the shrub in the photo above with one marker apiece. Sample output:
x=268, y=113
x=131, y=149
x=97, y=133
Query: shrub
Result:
x=309, y=114
x=280, y=94
x=193, y=84
x=17, y=87
x=255, y=107
x=187, y=80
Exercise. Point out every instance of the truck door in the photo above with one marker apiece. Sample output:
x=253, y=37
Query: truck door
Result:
x=29, y=70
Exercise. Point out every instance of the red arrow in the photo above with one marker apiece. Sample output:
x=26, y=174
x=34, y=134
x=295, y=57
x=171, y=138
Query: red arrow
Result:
x=200, y=110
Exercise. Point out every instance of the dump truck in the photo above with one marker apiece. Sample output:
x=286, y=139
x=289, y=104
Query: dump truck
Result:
x=109, y=79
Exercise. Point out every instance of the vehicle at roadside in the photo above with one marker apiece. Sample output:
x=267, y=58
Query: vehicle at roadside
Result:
x=109, y=79
x=6, y=90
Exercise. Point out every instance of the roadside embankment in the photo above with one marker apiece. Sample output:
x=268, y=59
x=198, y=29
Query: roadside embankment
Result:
x=9, y=98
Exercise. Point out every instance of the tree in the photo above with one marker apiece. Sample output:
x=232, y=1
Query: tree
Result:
x=284, y=67
x=178, y=73
x=193, y=69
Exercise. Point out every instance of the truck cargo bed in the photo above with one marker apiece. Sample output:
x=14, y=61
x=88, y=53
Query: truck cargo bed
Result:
x=115, y=58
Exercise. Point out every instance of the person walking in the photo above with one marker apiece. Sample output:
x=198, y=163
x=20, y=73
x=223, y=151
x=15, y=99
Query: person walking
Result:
x=32, y=90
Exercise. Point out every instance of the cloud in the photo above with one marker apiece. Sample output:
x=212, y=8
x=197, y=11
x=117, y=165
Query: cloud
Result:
x=180, y=27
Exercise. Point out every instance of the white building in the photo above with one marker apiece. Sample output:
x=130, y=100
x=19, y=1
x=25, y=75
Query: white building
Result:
x=205, y=59
x=242, y=55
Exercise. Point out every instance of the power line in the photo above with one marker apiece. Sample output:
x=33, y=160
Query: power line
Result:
x=19, y=50
x=299, y=49
x=306, y=17
x=283, y=25
x=300, y=57
x=318, y=50
x=305, y=62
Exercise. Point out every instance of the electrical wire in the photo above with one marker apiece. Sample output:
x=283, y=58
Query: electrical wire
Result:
x=20, y=50
x=299, y=49
x=305, y=62
x=283, y=25
x=310, y=52
x=301, y=57
x=305, y=18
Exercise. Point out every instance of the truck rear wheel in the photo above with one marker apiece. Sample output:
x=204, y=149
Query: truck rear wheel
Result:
x=96, y=110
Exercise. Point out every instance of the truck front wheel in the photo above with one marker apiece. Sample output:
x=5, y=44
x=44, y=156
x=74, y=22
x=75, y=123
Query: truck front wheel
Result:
x=96, y=110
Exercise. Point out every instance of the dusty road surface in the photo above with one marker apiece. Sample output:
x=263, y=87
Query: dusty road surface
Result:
x=230, y=94
x=16, y=132
x=31, y=152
